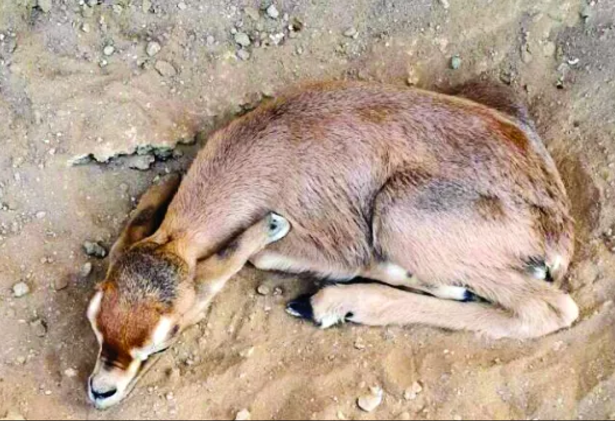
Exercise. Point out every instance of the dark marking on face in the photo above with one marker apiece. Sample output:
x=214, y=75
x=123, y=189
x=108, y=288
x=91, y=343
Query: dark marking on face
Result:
x=114, y=358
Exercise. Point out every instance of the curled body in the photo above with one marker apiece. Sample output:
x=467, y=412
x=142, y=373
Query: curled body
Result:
x=419, y=191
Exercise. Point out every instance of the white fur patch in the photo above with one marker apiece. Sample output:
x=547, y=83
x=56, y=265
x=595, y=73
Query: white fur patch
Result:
x=449, y=292
x=92, y=313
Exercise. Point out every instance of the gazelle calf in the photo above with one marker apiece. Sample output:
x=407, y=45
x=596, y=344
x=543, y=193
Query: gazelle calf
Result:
x=416, y=190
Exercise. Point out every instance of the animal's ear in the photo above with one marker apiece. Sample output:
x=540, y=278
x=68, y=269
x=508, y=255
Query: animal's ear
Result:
x=148, y=215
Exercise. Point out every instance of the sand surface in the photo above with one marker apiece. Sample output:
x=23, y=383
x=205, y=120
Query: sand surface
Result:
x=62, y=98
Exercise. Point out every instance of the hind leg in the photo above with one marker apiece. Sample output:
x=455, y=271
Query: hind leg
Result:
x=394, y=275
x=449, y=235
x=380, y=305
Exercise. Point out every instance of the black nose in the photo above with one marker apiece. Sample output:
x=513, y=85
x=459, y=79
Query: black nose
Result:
x=98, y=395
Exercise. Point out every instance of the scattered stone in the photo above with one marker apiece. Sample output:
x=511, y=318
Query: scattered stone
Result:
x=20, y=290
x=243, y=54
x=109, y=50
x=170, y=396
x=243, y=415
x=165, y=69
x=45, y=5
x=146, y=6
x=252, y=13
x=276, y=39
x=94, y=250
x=70, y=373
x=413, y=391
x=263, y=290
x=86, y=270
x=153, y=48
x=242, y=39
x=140, y=162
x=86, y=27
x=21, y=360
x=211, y=40
x=41, y=215
x=369, y=403
x=277, y=291
x=182, y=6
x=39, y=328
x=445, y=4
x=60, y=283
x=359, y=344
x=272, y=12
x=455, y=62
x=247, y=353
x=413, y=77
x=351, y=33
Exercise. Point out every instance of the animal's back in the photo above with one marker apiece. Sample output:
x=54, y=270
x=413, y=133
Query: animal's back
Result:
x=320, y=155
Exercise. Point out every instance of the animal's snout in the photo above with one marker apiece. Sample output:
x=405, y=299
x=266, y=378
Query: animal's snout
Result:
x=100, y=392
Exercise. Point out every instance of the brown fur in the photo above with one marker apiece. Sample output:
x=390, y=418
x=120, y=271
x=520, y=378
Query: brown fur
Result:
x=445, y=188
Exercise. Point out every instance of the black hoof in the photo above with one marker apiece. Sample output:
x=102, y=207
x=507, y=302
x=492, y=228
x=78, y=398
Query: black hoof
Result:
x=470, y=297
x=301, y=308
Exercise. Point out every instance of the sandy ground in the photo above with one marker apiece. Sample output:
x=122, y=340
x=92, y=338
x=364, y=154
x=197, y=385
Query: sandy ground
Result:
x=65, y=95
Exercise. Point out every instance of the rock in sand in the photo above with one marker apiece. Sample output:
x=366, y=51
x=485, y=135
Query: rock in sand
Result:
x=369, y=403
x=243, y=415
x=20, y=289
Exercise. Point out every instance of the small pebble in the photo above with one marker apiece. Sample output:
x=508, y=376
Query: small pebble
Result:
x=211, y=40
x=41, y=215
x=243, y=55
x=170, y=396
x=369, y=403
x=359, y=344
x=109, y=50
x=277, y=291
x=413, y=391
x=86, y=27
x=247, y=353
x=165, y=69
x=94, y=250
x=263, y=290
x=242, y=39
x=445, y=4
x=182, y=6
x=243, y=415
x=70, y=373
x=153, y=48
x=21, y=360
x=45, y=5
x=20, y=290
x=405, y=416
x=272, y=12
x=60, y=283
x=86, y=270
x=39, y=328
x=351, y=32
x=455, y=62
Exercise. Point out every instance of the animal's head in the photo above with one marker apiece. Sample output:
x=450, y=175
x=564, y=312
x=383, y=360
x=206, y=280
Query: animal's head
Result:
x=138, y=311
